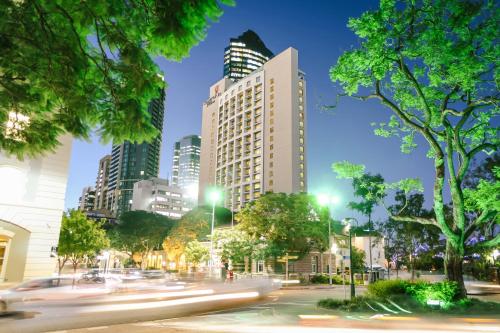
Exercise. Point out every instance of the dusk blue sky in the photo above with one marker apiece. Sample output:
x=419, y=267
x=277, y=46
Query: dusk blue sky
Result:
x=317, y=29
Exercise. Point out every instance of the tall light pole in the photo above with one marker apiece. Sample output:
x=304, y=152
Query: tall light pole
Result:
x=370, y=246
x=346, y=221
x=214, y=197
x=324, y=200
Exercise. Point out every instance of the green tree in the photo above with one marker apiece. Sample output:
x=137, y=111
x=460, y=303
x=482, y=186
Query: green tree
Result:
x=140, y=232
x=79, y=239
x=288, y=223
x=237, y=246
x=192, y=226
x=73, y=66
x=358, y=260
x=196, y=253
x=370, y=188
x=434, y=65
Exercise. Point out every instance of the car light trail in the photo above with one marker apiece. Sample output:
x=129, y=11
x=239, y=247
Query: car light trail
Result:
x=159, y=304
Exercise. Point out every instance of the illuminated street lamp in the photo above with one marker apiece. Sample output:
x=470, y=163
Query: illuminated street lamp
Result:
x=324, y=200
x=347, y=223
x=214, y=196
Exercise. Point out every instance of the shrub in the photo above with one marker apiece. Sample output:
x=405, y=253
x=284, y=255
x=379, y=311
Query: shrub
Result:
x=323, y=279
x=387, y=288
x=357, y=304
x=445, y=292
x=330, y=303
x=319, y=279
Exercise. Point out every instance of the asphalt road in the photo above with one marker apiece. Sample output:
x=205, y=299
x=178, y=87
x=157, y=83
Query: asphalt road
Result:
x=294, y=311
x=286, y=310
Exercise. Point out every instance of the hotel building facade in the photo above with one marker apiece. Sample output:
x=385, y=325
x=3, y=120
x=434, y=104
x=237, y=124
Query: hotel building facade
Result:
x=253, y=133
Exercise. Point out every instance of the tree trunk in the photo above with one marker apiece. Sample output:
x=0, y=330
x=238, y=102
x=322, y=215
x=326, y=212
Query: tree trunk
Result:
x=246, y=264
x=453, y=266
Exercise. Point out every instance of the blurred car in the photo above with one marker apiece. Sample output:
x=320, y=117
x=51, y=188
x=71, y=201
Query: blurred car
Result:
x=152, y=274
x=52, y=289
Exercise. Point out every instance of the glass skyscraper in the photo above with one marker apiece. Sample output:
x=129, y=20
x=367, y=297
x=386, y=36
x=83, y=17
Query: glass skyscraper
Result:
x=244, y=55
x=132, y=162
x=186, y=164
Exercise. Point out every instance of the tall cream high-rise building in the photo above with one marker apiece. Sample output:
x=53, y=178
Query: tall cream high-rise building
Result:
x=253, y=133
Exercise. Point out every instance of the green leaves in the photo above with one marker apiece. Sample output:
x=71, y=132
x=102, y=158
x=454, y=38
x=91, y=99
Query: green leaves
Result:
x=347, y=170
x=285, y=223
x=80, y=237
x=408, y=185
x=195, y=252
x=78, y=66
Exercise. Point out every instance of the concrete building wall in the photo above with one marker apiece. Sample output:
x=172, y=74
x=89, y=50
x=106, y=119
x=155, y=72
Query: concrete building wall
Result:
x=32, y=195
x=155, y=195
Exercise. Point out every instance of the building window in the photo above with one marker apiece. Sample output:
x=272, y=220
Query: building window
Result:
x=271, y=81
x=271, y=182
x=260, y=266
x=314, y=264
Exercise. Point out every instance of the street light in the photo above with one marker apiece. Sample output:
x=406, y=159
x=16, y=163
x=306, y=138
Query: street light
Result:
x=214, y=196
x=348, y=225
x=324, y=200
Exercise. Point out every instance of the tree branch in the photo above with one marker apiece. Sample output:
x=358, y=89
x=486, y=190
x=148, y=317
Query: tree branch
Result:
x=416, y=219
x=409, y=75
x=481, y=147
x=495, y=241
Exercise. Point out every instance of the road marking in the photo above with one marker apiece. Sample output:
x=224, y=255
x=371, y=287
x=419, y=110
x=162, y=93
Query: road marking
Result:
x=318, y=317
x=478, y=320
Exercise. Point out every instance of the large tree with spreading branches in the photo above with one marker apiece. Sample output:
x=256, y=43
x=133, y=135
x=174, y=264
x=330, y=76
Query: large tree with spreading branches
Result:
x=75, y=66
x=434, y=65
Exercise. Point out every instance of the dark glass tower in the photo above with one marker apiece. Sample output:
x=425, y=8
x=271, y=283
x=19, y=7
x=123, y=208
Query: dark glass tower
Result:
x=244, y=55
x=132, y=162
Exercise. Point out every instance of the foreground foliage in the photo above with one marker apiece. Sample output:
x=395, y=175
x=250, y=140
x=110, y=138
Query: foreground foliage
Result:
x=70, y=66
x=434, y=66
x=80, y=238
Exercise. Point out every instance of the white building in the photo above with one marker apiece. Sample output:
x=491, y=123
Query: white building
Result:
x=253, y=133
x=155, y=195
x=32, y=195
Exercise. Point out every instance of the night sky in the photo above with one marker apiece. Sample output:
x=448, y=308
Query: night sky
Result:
x=317, y=29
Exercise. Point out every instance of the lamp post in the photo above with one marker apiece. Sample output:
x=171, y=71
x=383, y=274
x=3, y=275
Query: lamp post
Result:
x=351, y=271
x=214, y=196
x=370, y=246
x=324, y=200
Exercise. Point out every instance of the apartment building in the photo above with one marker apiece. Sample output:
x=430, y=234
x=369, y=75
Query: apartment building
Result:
x=253, y=133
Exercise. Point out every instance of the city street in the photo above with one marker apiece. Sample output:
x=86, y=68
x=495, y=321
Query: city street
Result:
x=295, y=311
x=285, y=310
